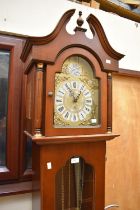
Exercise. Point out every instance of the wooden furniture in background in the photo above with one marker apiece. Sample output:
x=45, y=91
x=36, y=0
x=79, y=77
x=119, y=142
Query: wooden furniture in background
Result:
x=129, y=9
x=15, y=158
x=9, y=171
x=122, y=165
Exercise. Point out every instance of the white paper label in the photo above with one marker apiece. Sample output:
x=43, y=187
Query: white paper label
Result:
x=108, y=61
x=74, y=160
x=49, y=165
x=93, y=121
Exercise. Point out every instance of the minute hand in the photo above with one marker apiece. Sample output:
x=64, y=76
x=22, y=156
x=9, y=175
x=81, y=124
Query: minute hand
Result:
x=71, y=92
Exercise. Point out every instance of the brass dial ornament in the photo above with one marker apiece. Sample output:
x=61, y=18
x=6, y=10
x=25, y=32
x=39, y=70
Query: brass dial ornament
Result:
x=73, y=69
x=74, y=97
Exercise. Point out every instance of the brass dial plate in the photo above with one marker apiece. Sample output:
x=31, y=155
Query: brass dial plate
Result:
x=76, y=97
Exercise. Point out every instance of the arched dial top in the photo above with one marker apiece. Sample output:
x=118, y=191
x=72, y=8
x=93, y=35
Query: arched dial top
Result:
x=76, y=95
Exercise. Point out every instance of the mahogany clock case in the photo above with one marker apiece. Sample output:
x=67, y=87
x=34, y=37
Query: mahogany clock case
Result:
x=68, y=161
x=59, y=186
x=44, y=57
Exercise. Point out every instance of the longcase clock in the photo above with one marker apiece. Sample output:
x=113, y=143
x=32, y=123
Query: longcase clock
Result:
x=68, y=114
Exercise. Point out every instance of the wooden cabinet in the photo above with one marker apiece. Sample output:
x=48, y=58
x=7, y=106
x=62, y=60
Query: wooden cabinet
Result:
x=11, y=73
x=68, y=108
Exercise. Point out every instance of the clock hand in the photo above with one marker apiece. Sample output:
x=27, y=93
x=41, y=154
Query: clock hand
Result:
x=77, y=97
x=71, y=92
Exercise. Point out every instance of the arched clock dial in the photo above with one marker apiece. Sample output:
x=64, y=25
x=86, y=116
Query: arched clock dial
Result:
x=76, y=94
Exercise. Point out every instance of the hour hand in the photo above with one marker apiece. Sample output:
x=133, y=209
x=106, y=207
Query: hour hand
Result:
x=77, y=97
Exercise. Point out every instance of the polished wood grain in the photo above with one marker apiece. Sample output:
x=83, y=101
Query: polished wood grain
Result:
x=24, y=173
x=37, y=185
x=92, y=153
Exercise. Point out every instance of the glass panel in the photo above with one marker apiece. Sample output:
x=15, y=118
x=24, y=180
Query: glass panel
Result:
x=76, y=95
x=4, y=70
x=74, y=186
x=28, y=153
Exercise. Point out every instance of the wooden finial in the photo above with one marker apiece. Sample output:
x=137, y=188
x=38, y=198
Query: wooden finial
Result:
x=80, y=21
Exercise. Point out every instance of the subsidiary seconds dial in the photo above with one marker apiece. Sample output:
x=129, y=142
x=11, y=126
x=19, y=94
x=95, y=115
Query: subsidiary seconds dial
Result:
x=74, y=69
x=73, y=102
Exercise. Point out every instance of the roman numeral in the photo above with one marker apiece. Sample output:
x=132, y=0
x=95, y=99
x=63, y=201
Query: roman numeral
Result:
x=61, y=109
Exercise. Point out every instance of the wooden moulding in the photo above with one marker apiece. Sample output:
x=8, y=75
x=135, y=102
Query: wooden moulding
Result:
x=15, y=188
x=94, y=23
x=72, y=139
x=129, y=73
x=42, y=40
x=72, y=41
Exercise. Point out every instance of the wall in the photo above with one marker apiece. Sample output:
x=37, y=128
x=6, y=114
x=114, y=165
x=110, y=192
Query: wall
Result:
x=123, y=154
